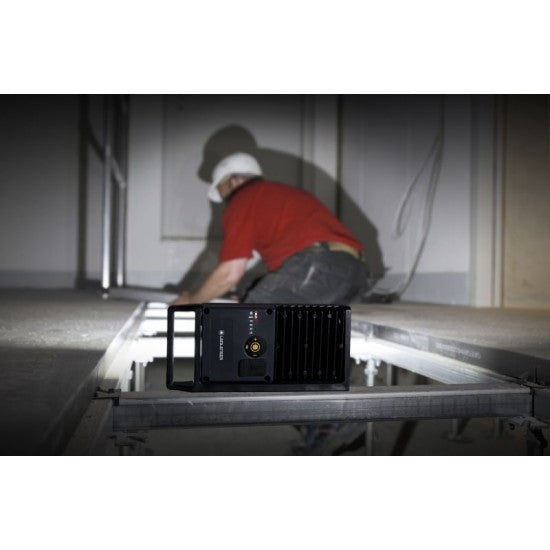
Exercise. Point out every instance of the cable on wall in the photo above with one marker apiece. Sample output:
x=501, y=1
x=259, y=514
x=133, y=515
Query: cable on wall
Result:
x=435, y=154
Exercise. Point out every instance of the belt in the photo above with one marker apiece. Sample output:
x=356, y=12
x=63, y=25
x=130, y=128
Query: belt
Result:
x=335, y=246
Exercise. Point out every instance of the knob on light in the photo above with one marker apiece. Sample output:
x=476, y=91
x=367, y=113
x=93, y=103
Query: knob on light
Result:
x=255, y=346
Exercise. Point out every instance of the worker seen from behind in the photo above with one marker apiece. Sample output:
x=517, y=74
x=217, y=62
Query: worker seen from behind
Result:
x=311, y=256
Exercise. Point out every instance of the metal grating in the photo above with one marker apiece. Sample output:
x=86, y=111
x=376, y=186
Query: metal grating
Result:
x=310, y=344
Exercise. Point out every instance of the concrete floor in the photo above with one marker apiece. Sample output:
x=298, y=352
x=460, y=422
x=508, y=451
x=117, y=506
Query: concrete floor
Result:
x=52, y=341
x=50, y=345
x=513, y=342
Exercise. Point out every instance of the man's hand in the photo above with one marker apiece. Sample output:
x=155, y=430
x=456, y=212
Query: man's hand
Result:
x=222, y=279
x=182, y=300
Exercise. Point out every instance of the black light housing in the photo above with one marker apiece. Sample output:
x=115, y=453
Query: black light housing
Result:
x=265, y=347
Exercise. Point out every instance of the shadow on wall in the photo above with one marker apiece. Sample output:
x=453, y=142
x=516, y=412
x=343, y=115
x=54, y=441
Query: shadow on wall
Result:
x=276, y=166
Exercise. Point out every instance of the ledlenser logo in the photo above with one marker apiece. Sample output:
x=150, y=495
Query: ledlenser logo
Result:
x=221, y=334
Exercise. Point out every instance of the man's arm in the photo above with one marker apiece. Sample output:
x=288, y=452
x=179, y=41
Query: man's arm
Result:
x=222, y=279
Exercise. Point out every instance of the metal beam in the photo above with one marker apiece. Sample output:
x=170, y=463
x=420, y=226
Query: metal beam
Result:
x=107, y=200
x=542, y=404
x=116, y=172
x=121, y=235
x=172, y=409
x=437, y=367
x=89, y=437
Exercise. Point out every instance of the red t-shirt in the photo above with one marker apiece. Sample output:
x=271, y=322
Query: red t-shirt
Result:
x=277, y=220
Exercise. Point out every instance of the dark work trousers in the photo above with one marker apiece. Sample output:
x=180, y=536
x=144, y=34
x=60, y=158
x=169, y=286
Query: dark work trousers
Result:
x=315, y=276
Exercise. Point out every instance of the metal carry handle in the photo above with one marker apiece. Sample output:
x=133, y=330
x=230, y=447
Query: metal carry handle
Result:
x=187, y=385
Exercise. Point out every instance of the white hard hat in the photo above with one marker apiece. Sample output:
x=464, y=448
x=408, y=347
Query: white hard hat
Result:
x=242, y=164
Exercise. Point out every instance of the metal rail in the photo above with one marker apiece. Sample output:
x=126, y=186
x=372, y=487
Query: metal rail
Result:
x=115, y=123
x=469, y=391
x=145, y=410
x=437, y=367
x=107, y=200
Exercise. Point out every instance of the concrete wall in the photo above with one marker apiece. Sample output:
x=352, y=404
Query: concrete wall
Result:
x=386, y=145
x=385, y=141
x=38, y=190
x=480, y=241
x=150, y=260
x=91, y=202
x=526, y=205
